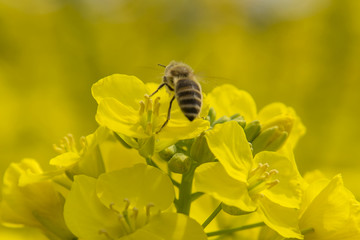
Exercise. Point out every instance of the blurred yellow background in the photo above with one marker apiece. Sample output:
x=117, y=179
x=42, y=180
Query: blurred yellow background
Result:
x=304, y=53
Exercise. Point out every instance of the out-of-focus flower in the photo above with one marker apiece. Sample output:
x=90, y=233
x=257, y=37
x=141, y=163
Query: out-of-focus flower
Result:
x=329, y=211
x=36, y=204
x=268, y=184
x=127, y=204
x=275, y=124
x=125, y=107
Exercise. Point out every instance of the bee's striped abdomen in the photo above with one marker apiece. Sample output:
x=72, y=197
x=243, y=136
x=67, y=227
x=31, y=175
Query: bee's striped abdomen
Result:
x=189, y=98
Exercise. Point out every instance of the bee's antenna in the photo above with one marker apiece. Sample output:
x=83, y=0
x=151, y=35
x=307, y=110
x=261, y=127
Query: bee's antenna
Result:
x=161, y=65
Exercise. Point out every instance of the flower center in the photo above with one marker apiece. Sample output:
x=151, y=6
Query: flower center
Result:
x=130, y=219
x=68, y=144
x=260, y=179
x=149, y=113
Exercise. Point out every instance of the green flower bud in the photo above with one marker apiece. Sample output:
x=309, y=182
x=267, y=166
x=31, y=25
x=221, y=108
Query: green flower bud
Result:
x=264, y=139
x=179, y=163
x=200, y=151
x=223, y=119
x=278, y=142
x=252, y=130
x=239, y=119
x=168, y=152
x=233, y=210
x=211, y=115
x=274, y=134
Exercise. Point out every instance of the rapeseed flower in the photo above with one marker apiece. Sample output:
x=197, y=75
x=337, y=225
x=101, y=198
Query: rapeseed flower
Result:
x=125, y=107
x=38, y=204
x=127, y=204
x=329, y=211
x=268, y=183
x=274, y=125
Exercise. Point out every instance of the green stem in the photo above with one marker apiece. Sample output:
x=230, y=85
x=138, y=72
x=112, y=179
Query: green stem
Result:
x=212, y=216
x=184, y=201
x=232, y=230
x=175, y=183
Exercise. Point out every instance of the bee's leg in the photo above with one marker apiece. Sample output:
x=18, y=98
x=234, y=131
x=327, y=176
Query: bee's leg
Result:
x=168, y=115
x=161, y=85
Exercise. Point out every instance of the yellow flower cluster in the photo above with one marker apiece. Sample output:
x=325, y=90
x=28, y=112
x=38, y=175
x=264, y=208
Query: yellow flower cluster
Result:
x=230, y=173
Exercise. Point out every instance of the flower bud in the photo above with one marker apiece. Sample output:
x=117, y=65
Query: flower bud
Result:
x=200, y=151
x=252, y=130
x=168, y=152
x=239, y=119
x=264, y=139
x=274, y=134
x=223, y=119
x=211, y=115
x=179, y=163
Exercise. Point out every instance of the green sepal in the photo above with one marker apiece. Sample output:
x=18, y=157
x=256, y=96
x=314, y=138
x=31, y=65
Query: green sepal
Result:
x=147, y=146
x=200, y=151
x=121, y=140
x=232, y=210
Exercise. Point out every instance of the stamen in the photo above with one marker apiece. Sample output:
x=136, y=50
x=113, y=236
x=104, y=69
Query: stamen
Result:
x=136, y=212
x=157, y=106
x=127, y=201
x=142, y=108
x=124, y=225
x=112, y=208
x=104, y=232
x=150, y=205
x=67, y=144
x=127, y=220
x=257, y=196
x=71, y=141
x=148, y=129
x=84, y=145
x=273, y=183
x=273, y=172
x=58, y=149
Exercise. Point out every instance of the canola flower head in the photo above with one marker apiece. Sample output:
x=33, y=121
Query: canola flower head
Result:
x=229, y=173
x=94, y=210
x=126, y=108
x=36, y=204
x=248, y=183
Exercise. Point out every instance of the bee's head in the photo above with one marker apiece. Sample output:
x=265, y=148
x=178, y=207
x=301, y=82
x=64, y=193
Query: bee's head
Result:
x=177, y=70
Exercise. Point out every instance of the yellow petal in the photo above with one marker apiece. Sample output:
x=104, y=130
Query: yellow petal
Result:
x=212, y=179
x=140, y=184
x=333, y=214
x=120, y=118
x=227, y=100
x=281, y=219
x=229, y=145
x=287, y=192
x=128, y=90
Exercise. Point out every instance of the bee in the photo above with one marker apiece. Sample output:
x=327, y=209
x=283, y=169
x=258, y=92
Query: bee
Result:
x=180, y=79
